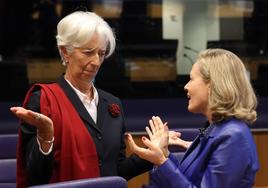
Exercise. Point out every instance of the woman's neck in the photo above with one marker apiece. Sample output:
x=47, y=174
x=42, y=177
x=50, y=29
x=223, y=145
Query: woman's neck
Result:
x=83, y=86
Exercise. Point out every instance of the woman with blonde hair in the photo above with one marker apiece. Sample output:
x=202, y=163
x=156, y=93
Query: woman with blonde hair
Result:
x=224, y=154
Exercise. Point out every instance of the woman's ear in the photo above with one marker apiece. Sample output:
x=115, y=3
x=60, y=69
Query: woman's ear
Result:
x=64, y=53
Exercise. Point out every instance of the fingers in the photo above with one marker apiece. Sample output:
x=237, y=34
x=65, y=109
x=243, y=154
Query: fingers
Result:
x=21, y=112
x=148, y=143
x=150, y=134
x=131, y=142
x=26, y=115
x=33, y=118
x=152, y=154
x=174, y=134
x=15, y=109
x=135, y=148
x=178, y=134
x=156, y=124
x=166, y=130
x=132, y=145
x=151, y=123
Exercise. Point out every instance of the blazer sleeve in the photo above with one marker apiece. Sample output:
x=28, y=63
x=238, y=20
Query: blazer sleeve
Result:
x=225, y=167
x=38, y=166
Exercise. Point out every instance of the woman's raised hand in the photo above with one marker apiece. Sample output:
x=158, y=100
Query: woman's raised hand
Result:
x=157, y=150
x=158, y=134
x=43, y=123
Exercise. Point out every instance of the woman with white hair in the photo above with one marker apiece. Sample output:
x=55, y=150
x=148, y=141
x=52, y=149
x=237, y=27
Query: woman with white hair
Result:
x=71, y=129
x=224, y=154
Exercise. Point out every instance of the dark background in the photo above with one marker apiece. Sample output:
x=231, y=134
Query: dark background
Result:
x=23, y=37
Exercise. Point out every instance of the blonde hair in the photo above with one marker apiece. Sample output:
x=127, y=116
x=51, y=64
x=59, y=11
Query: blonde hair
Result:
x=231, y=93
x=77, y=28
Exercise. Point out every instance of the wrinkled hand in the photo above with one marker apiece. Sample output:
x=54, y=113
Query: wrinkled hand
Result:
x=174, y=139
x=43, y=123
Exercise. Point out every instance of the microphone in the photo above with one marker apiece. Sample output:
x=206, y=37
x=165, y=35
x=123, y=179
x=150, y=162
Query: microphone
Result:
x=189, y=58
x=191, y=49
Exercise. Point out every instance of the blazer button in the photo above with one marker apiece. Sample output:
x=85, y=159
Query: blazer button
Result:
x=99, y=136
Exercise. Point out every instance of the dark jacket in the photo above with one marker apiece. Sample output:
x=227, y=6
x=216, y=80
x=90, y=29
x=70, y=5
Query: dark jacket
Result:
x=107, y=134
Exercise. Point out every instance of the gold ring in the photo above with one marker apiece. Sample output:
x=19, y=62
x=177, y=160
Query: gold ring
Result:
x=37, y=117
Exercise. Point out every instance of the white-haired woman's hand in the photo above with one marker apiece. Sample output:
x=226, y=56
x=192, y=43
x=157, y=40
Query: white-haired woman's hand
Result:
x=43, y=124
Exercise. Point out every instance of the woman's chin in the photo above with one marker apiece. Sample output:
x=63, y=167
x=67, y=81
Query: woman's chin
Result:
x=191, y=109
x=89, y=75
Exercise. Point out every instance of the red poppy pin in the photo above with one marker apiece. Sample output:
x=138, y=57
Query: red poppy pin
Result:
x=114, y=110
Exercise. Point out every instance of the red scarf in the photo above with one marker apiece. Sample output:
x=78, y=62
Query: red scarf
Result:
x=75, y=155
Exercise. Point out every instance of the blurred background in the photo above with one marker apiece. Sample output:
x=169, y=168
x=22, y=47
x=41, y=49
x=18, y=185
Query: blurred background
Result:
x=157, y=42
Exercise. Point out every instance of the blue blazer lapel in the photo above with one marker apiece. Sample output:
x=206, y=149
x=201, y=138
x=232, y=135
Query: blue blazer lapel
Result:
x=196, y=147
x=191, y=148
x=193, y=154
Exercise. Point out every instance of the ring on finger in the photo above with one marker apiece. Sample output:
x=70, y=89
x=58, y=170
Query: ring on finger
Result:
x=38, y=116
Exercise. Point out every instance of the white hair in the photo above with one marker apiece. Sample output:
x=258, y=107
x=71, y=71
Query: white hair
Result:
x=77, y=28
